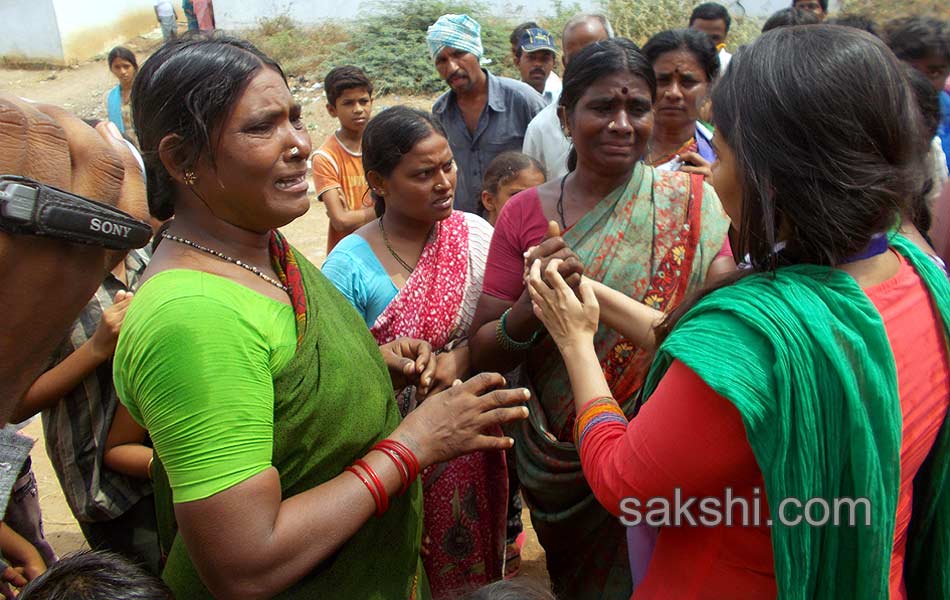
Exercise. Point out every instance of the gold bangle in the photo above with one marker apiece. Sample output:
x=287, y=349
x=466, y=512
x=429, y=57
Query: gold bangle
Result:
x=149, y=467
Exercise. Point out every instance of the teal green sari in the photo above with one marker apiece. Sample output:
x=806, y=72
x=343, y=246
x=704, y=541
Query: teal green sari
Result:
x=652, y=239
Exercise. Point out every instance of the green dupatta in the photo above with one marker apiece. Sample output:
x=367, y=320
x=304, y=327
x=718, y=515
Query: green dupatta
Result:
x=332, y=402
x=811, y=371
x=636, y=241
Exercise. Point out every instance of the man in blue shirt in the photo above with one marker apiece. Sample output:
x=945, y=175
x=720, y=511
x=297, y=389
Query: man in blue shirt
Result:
x=483, y=115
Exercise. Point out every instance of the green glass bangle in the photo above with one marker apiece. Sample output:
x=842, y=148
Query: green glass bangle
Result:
x=507, y=342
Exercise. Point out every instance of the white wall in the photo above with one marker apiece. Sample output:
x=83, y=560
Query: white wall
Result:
x=32, y=33
x=88, y=28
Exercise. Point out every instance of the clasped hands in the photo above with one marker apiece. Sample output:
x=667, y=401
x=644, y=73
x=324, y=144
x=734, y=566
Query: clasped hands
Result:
x=561, y=297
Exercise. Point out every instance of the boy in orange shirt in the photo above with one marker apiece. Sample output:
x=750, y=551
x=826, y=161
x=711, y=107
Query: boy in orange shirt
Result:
x=338, y=163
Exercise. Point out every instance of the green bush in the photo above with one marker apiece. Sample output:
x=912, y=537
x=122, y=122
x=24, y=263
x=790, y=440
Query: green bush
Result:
x=638, y=20
x=389, y=44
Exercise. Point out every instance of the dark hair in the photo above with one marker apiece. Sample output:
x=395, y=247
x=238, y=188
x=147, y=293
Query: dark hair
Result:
x=391, y=135
x=340, y=79
x=815, y=160
x=928, y=101
x=518, y=31
x=505, y=167
x=187, y=88
x=696, y=42
x=862, y=22
x=123, y=53
x=815, y=156
x=711, y=11
x=599, y=60
x=822, y=3
x=788, y=17
x=96, y=576
x=913, y=38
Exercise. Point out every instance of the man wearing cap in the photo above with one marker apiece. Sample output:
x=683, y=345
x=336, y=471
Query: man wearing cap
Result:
x=544, y=140
x=483, y=115
x=534, y=57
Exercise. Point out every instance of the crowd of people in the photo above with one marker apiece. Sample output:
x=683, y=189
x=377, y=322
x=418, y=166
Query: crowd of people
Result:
x=672, y=300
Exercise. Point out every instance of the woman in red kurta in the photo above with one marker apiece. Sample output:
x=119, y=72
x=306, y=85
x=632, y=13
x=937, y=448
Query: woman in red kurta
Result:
x=832, y=369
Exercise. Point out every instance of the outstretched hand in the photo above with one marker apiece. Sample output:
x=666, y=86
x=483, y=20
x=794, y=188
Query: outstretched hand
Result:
x=570, y=321
x=452, y=423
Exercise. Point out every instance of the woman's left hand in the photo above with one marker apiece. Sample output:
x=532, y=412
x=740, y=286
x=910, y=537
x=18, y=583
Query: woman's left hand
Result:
x=693, y=162
x=410, y=362
x=570, y=321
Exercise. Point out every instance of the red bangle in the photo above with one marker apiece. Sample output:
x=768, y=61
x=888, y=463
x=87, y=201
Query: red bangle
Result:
x=383, y=504
x=368, y=485
x=412, y=463
x=401, y=466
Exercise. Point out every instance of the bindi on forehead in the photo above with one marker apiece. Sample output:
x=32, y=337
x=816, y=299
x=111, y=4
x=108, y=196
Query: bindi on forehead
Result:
x=624, y=90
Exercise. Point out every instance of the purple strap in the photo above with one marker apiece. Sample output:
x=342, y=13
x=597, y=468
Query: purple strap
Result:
x=877, y=245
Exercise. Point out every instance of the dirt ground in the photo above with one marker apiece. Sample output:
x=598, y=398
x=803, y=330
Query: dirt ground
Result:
x=82, y=89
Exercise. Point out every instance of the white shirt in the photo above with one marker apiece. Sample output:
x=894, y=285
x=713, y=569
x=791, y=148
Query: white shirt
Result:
x=164, y=8
x=552, y=88
x=724, y=58
x=545, y=141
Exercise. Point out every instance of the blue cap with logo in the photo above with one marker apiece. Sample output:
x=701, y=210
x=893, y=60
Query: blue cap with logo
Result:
x=535, y=39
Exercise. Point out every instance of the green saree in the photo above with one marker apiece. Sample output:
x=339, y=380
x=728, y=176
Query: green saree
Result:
x=652, y=239
x=810, y=369
x=332, y=402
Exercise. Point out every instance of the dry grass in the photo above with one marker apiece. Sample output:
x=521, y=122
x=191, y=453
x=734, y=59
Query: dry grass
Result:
x=885, y=10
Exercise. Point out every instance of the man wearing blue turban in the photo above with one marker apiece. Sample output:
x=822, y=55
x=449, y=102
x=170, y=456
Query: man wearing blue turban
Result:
x=483, y=115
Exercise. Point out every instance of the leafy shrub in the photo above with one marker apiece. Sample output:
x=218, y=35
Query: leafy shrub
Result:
x=390, y=43
x=639, y=20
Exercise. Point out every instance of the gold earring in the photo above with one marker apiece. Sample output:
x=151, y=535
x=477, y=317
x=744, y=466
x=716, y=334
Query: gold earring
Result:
x=190, y=177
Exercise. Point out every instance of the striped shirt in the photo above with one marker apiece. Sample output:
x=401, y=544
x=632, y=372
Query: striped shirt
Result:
x=77, y=426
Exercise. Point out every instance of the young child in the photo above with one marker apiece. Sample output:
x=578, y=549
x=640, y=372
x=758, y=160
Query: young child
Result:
x=77, y=398
x=96, y=576
x=511, y=172
x=338, y=163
